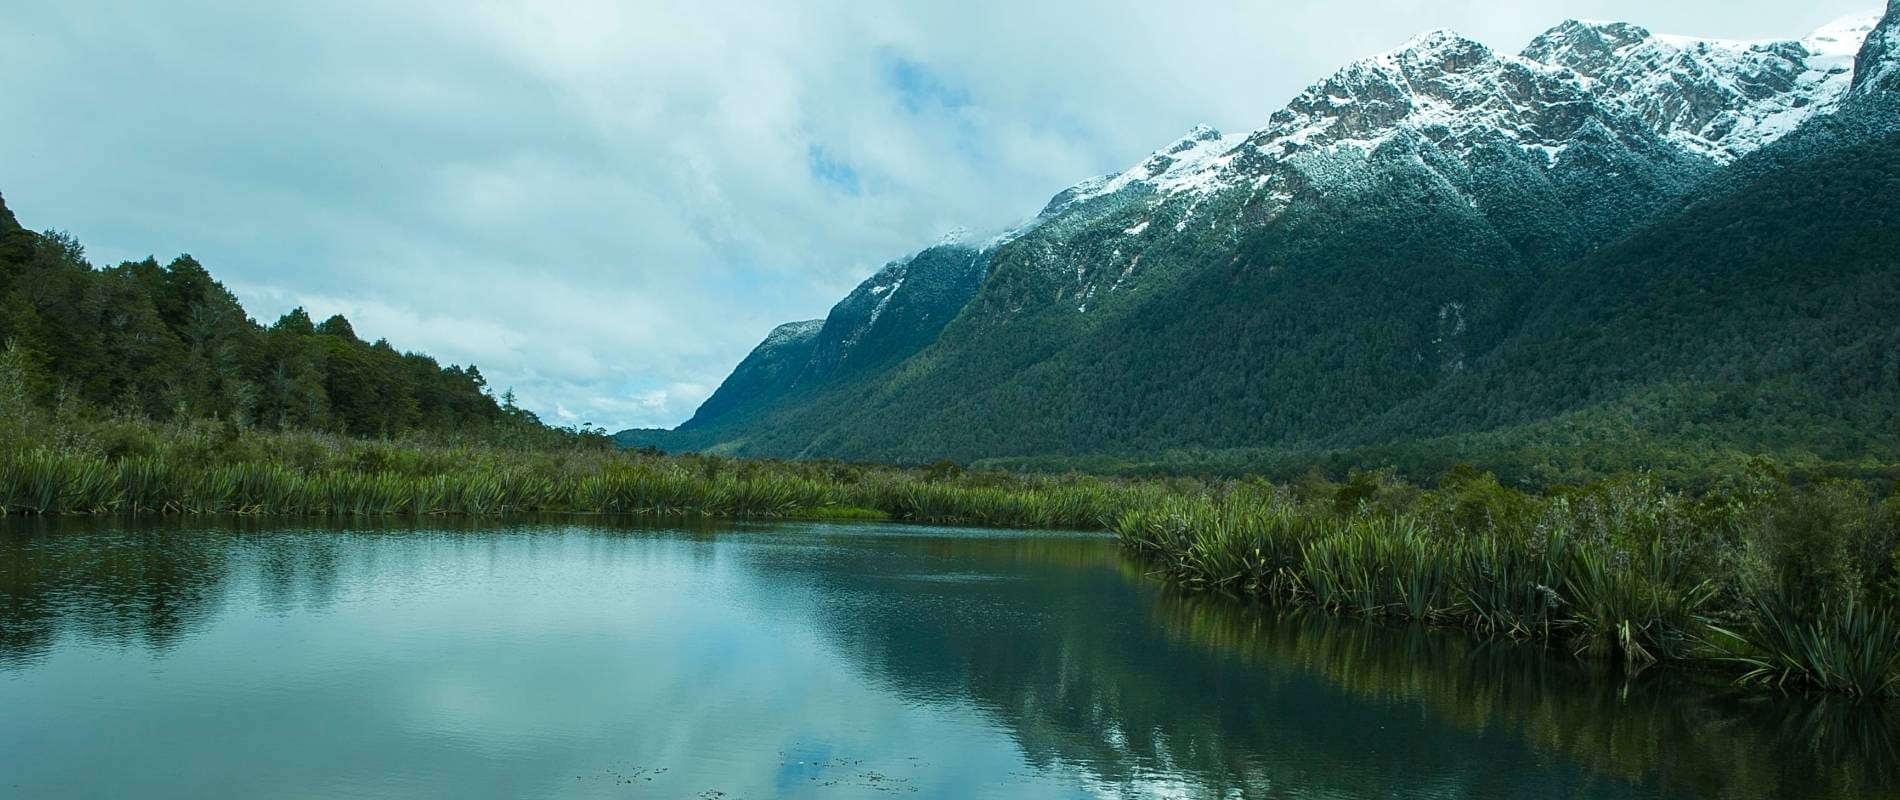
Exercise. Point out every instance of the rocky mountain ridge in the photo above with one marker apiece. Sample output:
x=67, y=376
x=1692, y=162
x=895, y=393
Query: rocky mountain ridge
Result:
x=1724, y=99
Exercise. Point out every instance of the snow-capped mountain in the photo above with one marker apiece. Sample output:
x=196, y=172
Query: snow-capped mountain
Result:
x=1439, y=88
x=1640, y=107
x=1518, y=151
x=890, y=316
x=1389, y=226
x=1171, y=168
x=1713, y=98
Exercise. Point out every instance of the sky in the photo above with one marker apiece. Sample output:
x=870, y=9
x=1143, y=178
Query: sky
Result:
x=605, y=205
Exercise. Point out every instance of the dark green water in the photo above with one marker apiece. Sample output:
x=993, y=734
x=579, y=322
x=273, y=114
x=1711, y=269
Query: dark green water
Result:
x=800, y=660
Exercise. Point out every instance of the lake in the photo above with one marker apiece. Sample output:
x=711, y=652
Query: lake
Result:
x=608, y=659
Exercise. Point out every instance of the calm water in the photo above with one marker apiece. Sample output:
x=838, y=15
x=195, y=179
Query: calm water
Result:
x=542, y=660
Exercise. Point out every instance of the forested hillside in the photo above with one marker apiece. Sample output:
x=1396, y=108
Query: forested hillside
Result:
x=170, y=342
x=1759, y=321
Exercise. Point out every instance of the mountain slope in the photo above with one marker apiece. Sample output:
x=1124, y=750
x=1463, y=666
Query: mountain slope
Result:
x=1877, y=69
x=889, y=317
x=772, y=368
x=895, y=312
x=1759, y=320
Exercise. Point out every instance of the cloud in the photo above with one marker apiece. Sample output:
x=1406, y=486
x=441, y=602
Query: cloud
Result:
x=604, y=204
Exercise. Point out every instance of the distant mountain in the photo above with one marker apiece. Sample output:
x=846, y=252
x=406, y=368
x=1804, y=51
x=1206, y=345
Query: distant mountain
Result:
x=770, y=370
x=1374, y=267
x=888, y=318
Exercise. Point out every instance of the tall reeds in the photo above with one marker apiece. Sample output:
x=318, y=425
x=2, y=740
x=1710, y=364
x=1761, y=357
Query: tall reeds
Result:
x=339, y=477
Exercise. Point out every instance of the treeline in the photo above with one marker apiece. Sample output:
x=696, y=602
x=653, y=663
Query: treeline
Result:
x=169, y=342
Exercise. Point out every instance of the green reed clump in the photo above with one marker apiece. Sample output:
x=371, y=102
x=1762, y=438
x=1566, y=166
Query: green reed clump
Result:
x=1624, y=570
x=1816, y=580
x=1849, y=647
x=43, y=482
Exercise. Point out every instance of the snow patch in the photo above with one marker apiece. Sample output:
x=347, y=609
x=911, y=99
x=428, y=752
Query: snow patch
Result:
x=1168, y=170
x=792, y=332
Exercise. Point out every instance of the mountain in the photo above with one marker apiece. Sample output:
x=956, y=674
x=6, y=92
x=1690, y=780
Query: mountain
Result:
x=1757, y=319
x=1389, y=245
x=886, y=319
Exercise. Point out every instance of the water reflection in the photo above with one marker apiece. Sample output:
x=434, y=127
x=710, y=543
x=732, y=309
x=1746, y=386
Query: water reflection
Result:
x=1066, y=652
x=124, y=588
x=1688, y=733
x=799, y=651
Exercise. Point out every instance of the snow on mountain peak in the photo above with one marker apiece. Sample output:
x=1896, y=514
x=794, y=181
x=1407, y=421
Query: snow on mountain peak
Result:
x=953, y=236
x=1722, y=99
x=1451, y=88
x=1436, y=40
x=1441, y=85
x=792, y=332
x=1163, y=170
x=1195, y=135
x=1843, y=37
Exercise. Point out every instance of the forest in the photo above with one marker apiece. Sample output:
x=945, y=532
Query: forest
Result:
x=142, y=340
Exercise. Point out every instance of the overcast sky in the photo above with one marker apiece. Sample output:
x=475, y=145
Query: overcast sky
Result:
x=605, y=205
